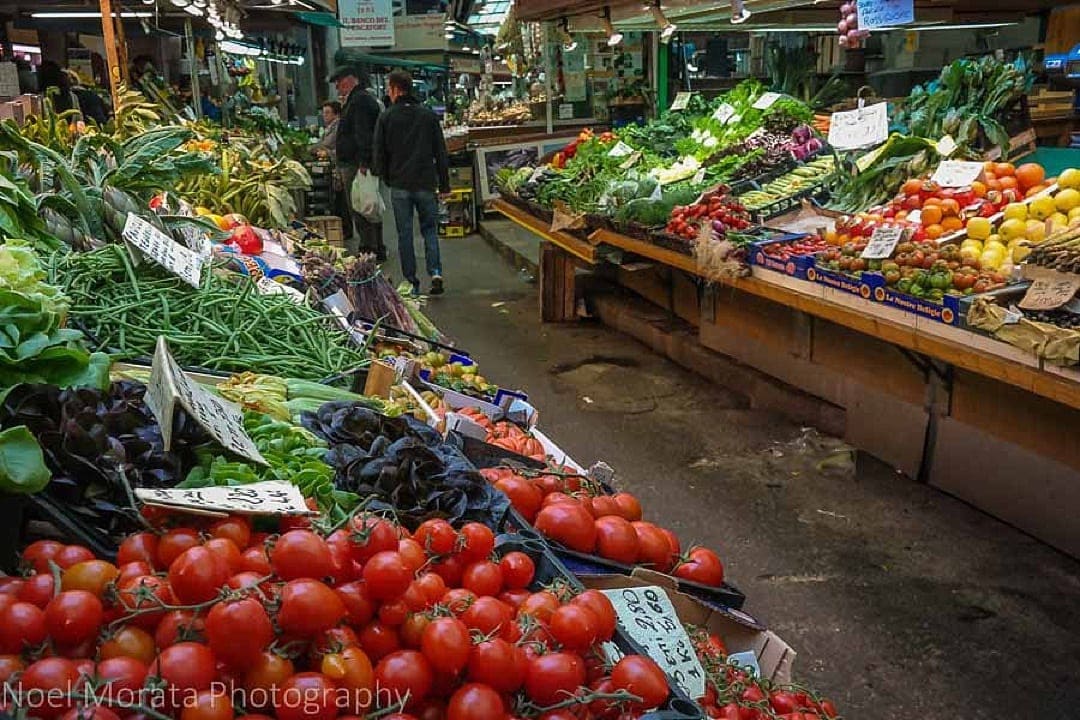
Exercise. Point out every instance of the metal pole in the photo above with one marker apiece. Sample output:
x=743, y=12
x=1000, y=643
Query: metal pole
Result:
x=548, y=70
x=111, y=56
x=193, y=66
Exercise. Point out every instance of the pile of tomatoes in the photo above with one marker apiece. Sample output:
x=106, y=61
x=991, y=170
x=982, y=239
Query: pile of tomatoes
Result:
x=806, y=245
x=716, y=209
x=208, y=622
x=563, y=506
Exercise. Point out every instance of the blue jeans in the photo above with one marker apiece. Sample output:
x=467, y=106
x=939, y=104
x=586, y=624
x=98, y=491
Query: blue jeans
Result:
x=427, y=209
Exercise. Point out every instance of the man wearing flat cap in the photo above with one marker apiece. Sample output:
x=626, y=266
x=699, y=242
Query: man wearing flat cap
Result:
x=355, y=140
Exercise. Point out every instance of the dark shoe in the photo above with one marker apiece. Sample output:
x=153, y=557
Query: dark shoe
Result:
x=436, y=285
x=415, y=288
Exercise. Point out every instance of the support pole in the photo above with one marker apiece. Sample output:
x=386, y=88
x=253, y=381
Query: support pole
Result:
x=193, y=67
x=122, y=50
x=549, y=68
x=112, y=57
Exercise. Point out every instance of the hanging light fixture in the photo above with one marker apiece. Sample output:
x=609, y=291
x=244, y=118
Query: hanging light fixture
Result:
x=569, y=43
x=614, y=38
x=739, y=13
x=667, y=28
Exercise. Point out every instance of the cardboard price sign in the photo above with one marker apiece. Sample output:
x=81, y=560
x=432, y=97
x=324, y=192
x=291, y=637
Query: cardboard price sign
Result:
x=162, y=249
x=766, y=100
x=860, y=128
x=957, y=173
x=223, y=420
x=273, y=497
x=647, y=614
x=724, y=113
x=882, y=243
x=680, y=102
x=621, y=149
x=946, y=146
x=1048, y=293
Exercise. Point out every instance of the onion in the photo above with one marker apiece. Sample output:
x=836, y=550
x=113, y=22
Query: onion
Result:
x=853, y=36
x=843, y=41
x=847, y=8
x=852, y=20
x=801, y=134
x=718, y=226
x=813, y=145
x=841, y=27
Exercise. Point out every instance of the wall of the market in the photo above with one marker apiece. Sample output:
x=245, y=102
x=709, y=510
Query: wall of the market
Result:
x=933, y=49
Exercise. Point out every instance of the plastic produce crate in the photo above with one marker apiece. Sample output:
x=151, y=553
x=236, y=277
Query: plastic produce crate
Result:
x=679, y=706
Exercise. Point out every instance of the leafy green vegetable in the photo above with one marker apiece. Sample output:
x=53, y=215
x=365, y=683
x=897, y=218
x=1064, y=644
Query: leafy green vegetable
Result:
x=22, y=465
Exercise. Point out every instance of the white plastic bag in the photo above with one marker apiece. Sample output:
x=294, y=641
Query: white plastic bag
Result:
x=366, y=198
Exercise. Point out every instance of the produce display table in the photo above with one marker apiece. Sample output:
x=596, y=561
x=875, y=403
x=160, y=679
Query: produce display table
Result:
x=948, y=406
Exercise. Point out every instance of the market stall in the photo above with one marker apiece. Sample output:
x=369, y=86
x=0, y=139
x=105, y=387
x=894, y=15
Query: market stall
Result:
x=919, y=288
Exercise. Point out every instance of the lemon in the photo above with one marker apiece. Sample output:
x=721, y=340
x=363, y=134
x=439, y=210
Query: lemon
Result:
x=1016, y=211
x=1069, y=179
x=1036, y=231
x=1074, y=215
x=1067, y=199
x=1012, y=228
x=994, y=238
x=1020, y=252
x=1058, y=220
x=992, y=259
x=978, y=228
x=1042, y=208
x=994, y=245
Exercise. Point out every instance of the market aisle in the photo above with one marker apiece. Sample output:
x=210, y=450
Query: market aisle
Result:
x=902, y=602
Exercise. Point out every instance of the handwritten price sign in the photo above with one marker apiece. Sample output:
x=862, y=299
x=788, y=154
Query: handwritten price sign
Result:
x=273, y=497
x=162, y=249
x=860, y=128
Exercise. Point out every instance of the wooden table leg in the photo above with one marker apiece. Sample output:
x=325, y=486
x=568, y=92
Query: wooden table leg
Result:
x=557, y=299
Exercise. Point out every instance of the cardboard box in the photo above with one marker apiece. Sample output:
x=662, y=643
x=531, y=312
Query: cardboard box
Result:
x=739, y=631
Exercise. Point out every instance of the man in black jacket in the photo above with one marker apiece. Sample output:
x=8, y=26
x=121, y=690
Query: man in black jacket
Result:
x=355, y=135
x=410, y=157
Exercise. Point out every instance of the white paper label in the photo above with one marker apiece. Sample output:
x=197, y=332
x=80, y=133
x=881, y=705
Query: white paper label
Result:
x=630, y=161
x=882, y=242
x=946, y=146
x=648, y=616
x=724, y=113
x=746, y=660
x=766, y=100
x=566, y=111
x=1047, y=293
x=914, y=217
x=222, y=419
x=197, y=240
x=621, y=149
x=699, y=176
x=680, y=102
x=266, y=286
x=859, y=128
x=885, y=13
x=272, y=497
x=162, y=249
x=957, y=173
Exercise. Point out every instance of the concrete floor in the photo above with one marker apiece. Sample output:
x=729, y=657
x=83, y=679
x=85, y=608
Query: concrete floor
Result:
x=901, y=601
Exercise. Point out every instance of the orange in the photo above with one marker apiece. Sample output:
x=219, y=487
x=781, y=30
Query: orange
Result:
x=900, y=215
x=1034, y=189
x=1030, y=175
x=950, y=207
x=994, y=184
x=1009, y=183
x=932, y=201
x=934, y=231
x=1002, y=169
x=989, y=166
x=988, y=176
x=931, y=215
x=979, y=189
x=952, y=223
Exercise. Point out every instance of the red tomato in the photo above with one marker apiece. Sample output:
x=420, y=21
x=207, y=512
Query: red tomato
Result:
x=121, y=676
x=129, y=641
x=313, y=698
x=654, y=550
x=227, y=552
x=38, y=589
x=386, y=575
x=518, y=570
x=133, y=569
x=477, y=541
x=236, y=528
x=207, y=705
x=449, y=568
x=73, y=617
x=172, y=544
x=301, y=554
x=514, y=598
x=499, y=664
x=308, y=607
x=359, y=606
x=404, y=671
x=539, y=605
x=575, y=627
x=371, y=534
x=458, y=600
x=351, y=670
x=186, y=666
x=616, y=539
x=71, y=555
x=483, y=578
x=179, y=626
x=90, y=712
x=412, y=554
x=569, y=524
x=524, y=495
x=673, y=542
x=437, y=537
x=475, y=701
x=446, y=644
x=702, y=566
x=379, y=640
x=487, y=615
x=238, y=631
x=602, y=506
x=254, y=559
x=196, y=575
x=412, y=630
x=628, y=506
x=602, y=608
x=433, y=586
x=641, y=676
x=393, y=613
x=37, y=555
x=553, y=677
x=266, y=675
x=22, y=625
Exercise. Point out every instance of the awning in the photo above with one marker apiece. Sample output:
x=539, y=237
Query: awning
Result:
x=322, y=19
x=348, y=56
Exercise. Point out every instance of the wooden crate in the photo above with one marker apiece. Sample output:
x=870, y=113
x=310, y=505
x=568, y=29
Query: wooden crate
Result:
x=329, y=226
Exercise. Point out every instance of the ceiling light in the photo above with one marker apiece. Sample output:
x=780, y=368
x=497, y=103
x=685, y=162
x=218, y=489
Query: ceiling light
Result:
x=569, y=44
x=466, y=48
x=667, y=28
x=219, y=36
x=614, y=38
x=80, y=15
x=16, y=47
x=739, y=13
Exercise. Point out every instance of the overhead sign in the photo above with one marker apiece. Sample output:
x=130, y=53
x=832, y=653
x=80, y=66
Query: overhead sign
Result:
x=885, y=13
x=420, y=32
x=366, y=23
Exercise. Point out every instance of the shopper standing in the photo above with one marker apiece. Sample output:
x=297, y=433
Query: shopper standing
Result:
x=410, y=157
x=355, y=136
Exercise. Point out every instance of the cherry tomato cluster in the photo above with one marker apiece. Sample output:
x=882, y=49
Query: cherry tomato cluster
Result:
x=715, y=208
x=217, y=620
x=732, y=693
x=565, y=508
x=807, y=245
x=506, y=434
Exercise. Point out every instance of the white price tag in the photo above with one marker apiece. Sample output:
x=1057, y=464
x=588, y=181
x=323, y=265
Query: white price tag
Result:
x=1048, y=293
x=648, y=616
x=724, y=113
x=197, y=240
x=222, y=419
x=630, y=161
x=914, y=217
x=699, y=176
x=566, y=111
x=946, y=146
x=272, y=497
x=680, y=102
x=621, y=149
x=882, y=242
x=162, y=249
x=266, y=286
x=766, y=100
x=859, y=128
x=957, y=173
